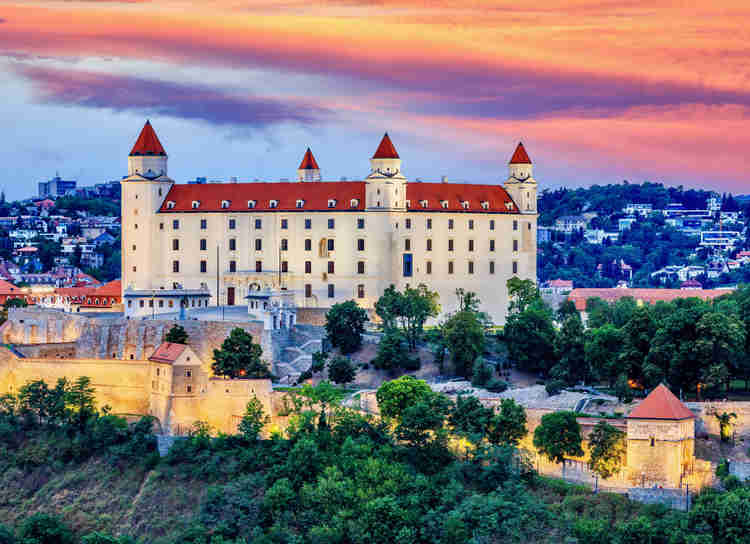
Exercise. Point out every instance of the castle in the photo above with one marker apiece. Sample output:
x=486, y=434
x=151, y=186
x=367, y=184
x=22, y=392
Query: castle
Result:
x=189, y=246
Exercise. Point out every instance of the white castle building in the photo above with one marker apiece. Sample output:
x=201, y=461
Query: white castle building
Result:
x=190, y=245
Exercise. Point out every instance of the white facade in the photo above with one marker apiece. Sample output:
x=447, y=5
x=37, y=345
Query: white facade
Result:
x=328, y=242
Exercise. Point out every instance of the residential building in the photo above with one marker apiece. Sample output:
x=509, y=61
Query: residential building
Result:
x=570, y=223
x=56, y=187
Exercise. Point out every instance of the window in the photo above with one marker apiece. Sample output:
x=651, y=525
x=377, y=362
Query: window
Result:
x=429, y=244
x=175, y=224
x=308, y=290
x=203, y=244
x=331, y=290
x=300, y=203
x=285, y=266
x=652, y=441
x=360, y=291
x=233, y=266
x=450, y=224
x=450, y=267
x=161, y=226
x=331, y=267
x=204, y=224
x=330, y=244
x=360, y=223
x=471, y=224
x=444, y=204
x=331, y=203
x=308, y=244
x=141, y=304
x=429, y=267
x=273, y=203
x=134, y=268
x=515, y=267
x=331, y=224
x=258, y=244
x=492, y=224
x=196, y=204
x=515, y=245
x=251, y=204
x=232, y=224
x=429, y=224
x=204, y=267
x=189, y=388
x=258, y=266
x=492, y=267
x=471, y=245
x=284, y=244
x=471, y=267
x=258, y=224
x=224, y=204
x=170, y=204
x=528, y=226
x=308, y=267
x=492, y=245
x=232, y=244
x=353, y=203
x=408, y=223
x=450, y=245
x=176, y=266
x=285, y=223
x=133, y=247
x=157, y=370
x=360, y=267
x=308, y=224
x=188, y=373
x=515, y=225
x=360, y=244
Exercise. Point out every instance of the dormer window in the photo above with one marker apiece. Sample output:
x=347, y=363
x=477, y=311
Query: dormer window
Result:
x=225, y=204
x=408, y=203
x=354, y=203
x=423, y=203
x=485, y=205
x=331, y=203
x=465, y=204
x=444, y=204
x=170, y=204
x=300, y=203
x=196, y=204
x=273, y=203
x=509, y=205
x=250, y=204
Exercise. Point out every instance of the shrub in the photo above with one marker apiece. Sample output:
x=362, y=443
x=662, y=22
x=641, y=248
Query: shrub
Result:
x=44, y=529
x=722, y=469
x=554, y=387
x=6, y=535
x=496, y=385
x=341, y=370
x=481, y=373
x=731, y=482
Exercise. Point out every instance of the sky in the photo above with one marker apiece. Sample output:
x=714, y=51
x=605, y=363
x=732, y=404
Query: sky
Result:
x=599, y=91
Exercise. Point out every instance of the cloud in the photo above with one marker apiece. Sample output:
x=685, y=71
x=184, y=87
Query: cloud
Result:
x=3, y=20
x=122, y=93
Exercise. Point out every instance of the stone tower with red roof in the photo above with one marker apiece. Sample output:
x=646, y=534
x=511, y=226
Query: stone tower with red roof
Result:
x=308, y=169
x=521, y=185
x=660, y=440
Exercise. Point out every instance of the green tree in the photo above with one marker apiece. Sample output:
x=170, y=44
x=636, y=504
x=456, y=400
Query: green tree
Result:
x=508, y=425
x=530, y=338
x=521, y=294
x=481, y=373
x=393, y=353
x=44, y=529
x=602, y=350
x=637, y=336
x=177, y=335
x=558, y=436
x=395, y=396
x=570, y=349
x=341, y=370
x=345, y=323
x=720, y=338
x=239, y=357
x=725, y=425
x=6, y=535
x=567, y=309
x=469, y=418
x=622, y=389
x=607, y=449
x=253, y=421
x=79, y=398
x=408, y=310
x=464, y=335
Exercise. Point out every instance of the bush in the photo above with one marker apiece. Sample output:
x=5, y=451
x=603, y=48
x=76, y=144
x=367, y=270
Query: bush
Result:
x=6, y=535
x=481, y=373
x=731, y=482
x=44, y=529
x=722, y=469
x=496, y=385
x=554, y=387
x=341, y=370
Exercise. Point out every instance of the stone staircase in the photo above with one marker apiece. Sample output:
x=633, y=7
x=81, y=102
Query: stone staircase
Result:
x=293, y=349
x=164, y=443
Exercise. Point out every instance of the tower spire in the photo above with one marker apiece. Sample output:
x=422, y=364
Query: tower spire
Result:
x=386, y=149
x=147, y=159
x=148, y=143
x=308, y=169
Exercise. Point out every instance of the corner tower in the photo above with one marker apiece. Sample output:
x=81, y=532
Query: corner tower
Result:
x=308, y=169
x=521, y=185
x=147, y=158
x=386, y=185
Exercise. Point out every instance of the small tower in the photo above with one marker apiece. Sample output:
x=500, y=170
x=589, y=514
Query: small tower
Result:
x=147, y=158
x=660, y=440
x=521, y=185
x=386, y=185
x=308, y=169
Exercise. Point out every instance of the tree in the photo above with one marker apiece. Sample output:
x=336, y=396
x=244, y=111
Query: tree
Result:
x=521, y=294
x=607, y=449
x=341, y=370
x=44, y=529
x=725, y=424
x=393, y=353
x=177, y=335
x=637, y=336
x=395, y=396
x=421, y=419
x=239, y=357
x=345, y=323
x=558, y=436
x=622, y=389
x=464, y=335
x=469, y=418
x=408, y=310
x=530, y=338
x=720, y=338
x=79, y=398
x=508, y=425
x=567, y=309
x=569, y=346
x=481, y=373
x=602, y=350
x=253, y=421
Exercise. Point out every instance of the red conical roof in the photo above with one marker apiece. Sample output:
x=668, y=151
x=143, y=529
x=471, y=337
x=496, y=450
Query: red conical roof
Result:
x=385, y=149
x=520, y=156
x=308, y=162
x=148, y=143
x=661, y=404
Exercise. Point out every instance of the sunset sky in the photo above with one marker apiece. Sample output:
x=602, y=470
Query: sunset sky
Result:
x=598, y=90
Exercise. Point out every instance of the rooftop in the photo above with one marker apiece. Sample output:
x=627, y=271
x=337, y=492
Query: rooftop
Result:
x=661, y=404
x=167, y=352
x=148, y=143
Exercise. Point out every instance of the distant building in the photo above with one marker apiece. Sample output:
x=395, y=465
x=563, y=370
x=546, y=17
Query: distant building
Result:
x=56, y=187
x=625, y=223
x=570, y=223
x=544, y=234
x=638, y=209
x=597, y=236
x=558, y=287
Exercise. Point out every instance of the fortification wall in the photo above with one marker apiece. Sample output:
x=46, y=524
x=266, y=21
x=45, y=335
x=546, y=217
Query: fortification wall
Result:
x=706, y=421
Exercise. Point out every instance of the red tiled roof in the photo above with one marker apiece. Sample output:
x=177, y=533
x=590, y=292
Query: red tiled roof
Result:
x=308, y=162
x=167, y=352
x=650, y=296
x=520, y=156
x=496, y=197
x=385, y=149
x=148, y=142
x=661, y=404
x=314, y=195
x=110, y=289
x=560, y=283
x=7, y=288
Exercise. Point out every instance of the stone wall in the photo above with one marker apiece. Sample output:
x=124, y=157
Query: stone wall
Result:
x=707, y=421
